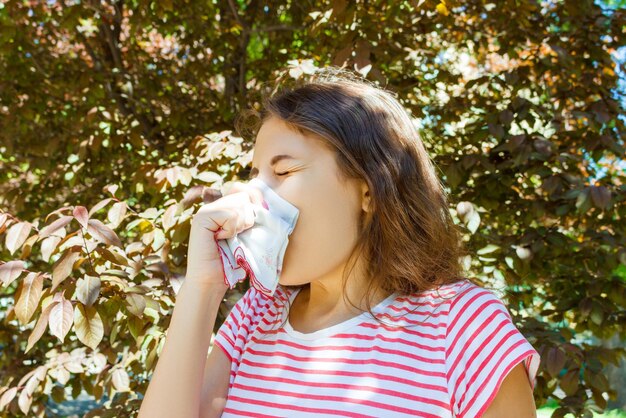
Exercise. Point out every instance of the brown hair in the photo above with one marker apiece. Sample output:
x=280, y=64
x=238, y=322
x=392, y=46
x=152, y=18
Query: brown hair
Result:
x=409, y=241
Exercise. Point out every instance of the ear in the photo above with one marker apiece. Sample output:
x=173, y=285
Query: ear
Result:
x=365, y=197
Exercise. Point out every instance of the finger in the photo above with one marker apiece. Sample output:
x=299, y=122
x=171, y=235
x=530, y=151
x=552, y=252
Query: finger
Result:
x=233, y=187
x=210, y=194
x=230, y=227
x=249, y=217
x=256, y=196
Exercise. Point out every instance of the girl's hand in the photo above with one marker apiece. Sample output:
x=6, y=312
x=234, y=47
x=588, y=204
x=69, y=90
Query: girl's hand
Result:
x=220, y=219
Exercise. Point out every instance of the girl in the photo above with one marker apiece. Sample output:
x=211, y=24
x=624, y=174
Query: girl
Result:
x=372, y=317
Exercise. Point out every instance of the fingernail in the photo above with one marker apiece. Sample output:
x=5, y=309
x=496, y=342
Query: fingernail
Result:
x=265, y=205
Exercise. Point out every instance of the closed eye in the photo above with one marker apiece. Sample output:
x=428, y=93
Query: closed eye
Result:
x=254, y=173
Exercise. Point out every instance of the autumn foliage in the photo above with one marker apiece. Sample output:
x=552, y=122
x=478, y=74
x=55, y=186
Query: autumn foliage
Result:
x=118, y=122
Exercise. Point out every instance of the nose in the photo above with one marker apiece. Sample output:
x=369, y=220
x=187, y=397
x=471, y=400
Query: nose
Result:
x=260, y=185
x=262, y=181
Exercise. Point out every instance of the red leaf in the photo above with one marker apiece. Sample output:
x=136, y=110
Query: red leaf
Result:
x=555, y=361
x=55, y=226
x=16, y=235
x=61, y=318
x=569, y=382
x=81, y=215
x=27, y=304
x=601, y=196
x=103, y=233
x=40, y=326
x=63, y=268
x=10, y=271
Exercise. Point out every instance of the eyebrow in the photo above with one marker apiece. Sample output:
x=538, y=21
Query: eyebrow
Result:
x=275, y=159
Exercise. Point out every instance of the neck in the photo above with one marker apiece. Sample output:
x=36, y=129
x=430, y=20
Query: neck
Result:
x=323, y=299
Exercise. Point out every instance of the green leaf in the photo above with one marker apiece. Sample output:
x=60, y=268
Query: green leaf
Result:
x=473, y=222
x=488, y=249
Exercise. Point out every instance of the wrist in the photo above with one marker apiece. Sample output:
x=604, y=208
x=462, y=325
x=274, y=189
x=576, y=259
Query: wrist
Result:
x=205, y=287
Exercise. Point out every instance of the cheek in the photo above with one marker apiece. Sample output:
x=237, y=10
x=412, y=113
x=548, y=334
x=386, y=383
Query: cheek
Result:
x=324, y=234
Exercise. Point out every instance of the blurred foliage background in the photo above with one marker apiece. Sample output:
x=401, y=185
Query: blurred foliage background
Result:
x=117, y=122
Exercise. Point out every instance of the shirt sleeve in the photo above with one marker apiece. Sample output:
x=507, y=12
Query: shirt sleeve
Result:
x=482, y=346
x=239, y=324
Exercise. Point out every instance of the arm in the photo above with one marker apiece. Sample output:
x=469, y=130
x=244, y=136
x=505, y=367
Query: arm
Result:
x=176, y=388
x=216, y=381
x=176, y=384
x=514, y=398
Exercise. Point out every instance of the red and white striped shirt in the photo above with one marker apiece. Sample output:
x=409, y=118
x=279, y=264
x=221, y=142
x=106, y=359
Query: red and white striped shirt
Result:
x=449, y=359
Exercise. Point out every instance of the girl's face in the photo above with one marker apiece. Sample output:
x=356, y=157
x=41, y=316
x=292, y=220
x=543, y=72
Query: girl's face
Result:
x=303, y=172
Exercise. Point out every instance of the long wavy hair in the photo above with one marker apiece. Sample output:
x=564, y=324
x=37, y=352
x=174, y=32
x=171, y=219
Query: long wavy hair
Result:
x=408, y=239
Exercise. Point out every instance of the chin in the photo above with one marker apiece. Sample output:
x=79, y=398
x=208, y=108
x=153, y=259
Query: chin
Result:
x=285, y=280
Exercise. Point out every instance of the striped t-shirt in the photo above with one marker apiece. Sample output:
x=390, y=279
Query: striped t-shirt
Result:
x=449, y=359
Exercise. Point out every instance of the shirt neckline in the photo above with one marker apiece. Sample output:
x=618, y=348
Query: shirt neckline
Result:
x=334, y=329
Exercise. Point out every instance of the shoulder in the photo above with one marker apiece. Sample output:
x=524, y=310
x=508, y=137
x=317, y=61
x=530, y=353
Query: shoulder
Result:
x=254, y=304
x=473, y=306
x=455, y=295
x=483, y=345
x=254, y=295
x=461, y=289
x=431, y=300
x=449, y=291
x=244, y=316
x=469, y=300
x=445, y=295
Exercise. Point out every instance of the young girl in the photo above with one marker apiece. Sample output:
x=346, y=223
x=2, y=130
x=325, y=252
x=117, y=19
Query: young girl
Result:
x=371, y=317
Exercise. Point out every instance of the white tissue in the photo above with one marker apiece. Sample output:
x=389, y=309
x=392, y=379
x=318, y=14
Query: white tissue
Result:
x=259, y=251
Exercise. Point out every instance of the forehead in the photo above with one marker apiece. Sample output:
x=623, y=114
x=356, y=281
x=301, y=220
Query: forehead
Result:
x=276, y=137
x=276, y=129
